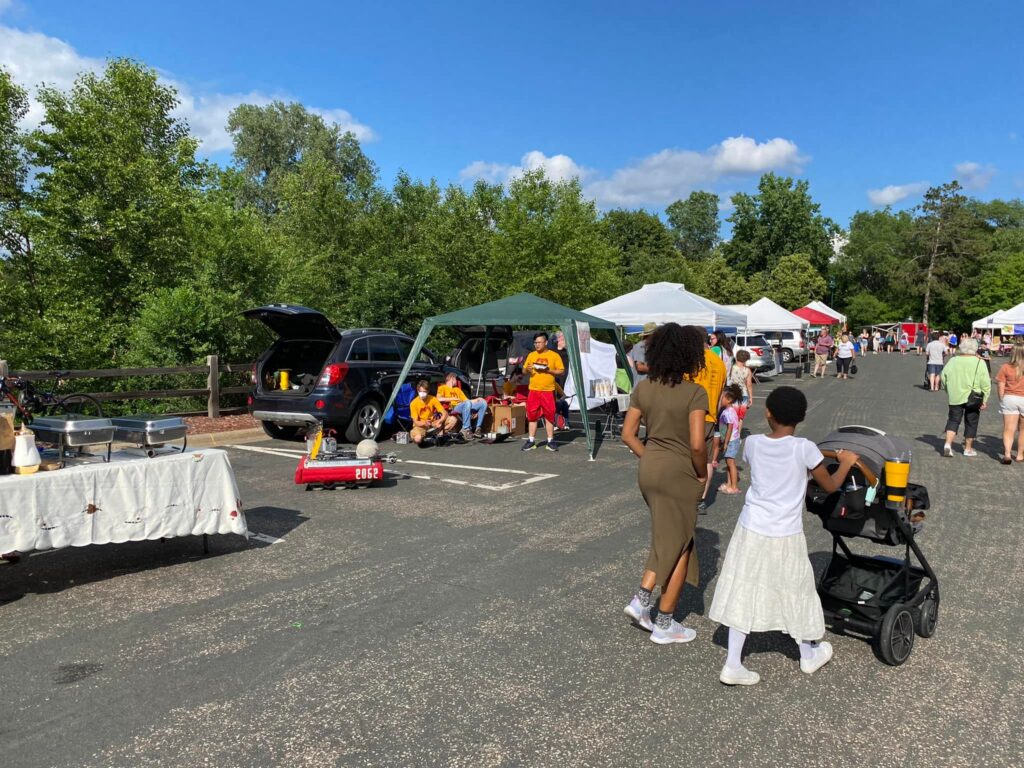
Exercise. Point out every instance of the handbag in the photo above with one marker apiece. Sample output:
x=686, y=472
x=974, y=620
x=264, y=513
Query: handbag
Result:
x=975, y=399
x=853, y=369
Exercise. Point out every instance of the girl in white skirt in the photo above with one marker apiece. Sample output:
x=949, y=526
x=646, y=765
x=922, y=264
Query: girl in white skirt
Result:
x=766, y=582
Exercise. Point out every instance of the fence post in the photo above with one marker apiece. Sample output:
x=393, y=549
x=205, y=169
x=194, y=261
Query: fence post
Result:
x=213, y=384
x=3, y=368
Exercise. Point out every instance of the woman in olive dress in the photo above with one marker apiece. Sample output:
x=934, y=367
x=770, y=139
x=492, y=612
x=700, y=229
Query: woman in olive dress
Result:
x=673, y=468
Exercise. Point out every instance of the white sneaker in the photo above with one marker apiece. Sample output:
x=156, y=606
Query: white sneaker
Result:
x=822, y=655
x=741, y=676
x=676, y=633
x=947, y=450
x=639, y=613
x=971, y=452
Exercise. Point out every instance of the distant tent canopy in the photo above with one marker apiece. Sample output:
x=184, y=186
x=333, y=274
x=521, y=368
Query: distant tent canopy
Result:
x=815, y=317
x=825, y=309
x=667, y=303
x=765, y=315
x=522, y=309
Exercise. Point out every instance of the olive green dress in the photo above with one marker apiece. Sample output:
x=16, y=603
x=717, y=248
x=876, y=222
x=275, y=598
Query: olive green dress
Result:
x=666, y=476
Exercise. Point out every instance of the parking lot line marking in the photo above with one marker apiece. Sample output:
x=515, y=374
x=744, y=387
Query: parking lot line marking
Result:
x=272, y=451
x=266, y=538
x=479, y=469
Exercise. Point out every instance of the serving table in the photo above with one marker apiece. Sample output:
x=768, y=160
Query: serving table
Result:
x=131, y=498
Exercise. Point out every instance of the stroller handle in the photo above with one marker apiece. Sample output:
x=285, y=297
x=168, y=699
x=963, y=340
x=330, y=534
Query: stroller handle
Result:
x=869, y=476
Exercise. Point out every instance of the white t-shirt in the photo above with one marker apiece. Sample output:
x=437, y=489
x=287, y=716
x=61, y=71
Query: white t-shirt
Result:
x=936, y=352
x=778, y=483
x=845, y=349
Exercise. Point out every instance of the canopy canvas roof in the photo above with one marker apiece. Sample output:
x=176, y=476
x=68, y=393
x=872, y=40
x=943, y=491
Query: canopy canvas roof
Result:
x=1012, y=316
x=666, y=303
x=522, y=309
x=987, y=321
x=827, y=310
x=765, y=315
x=815, y=317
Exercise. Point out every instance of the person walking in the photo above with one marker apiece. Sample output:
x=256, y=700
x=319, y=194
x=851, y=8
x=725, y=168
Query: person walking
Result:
x=967, y=387
x=845, y=354
x=822, y=347
x=935, y=354
x=919, y=341
x=904, y=342
x=637, y=355
x=1010, y=381
x=673, y=467
x=876, y=341
x=767, y=583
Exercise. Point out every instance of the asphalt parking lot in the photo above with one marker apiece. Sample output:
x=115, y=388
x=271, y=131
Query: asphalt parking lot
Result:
x=468, y=611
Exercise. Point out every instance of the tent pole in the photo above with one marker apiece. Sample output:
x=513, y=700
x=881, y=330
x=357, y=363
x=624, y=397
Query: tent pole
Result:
x=421, y=339
x=572, y=343
x=483, y=360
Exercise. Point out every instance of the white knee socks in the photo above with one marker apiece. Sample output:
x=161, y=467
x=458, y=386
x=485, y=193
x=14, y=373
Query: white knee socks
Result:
x=736, y=640
x=808, y=649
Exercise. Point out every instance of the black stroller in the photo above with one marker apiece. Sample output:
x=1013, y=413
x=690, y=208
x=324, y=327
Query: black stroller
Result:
x=884, y=597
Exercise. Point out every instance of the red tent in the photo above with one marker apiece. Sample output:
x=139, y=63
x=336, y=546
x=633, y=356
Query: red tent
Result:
x=814, y=317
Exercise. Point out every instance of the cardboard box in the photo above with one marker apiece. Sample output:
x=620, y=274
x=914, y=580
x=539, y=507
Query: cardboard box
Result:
x=6, y=430
x=498, y=414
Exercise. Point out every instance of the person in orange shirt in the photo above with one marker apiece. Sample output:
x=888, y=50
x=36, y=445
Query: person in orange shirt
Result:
x=427, y=414
x=712, y=378
x=542, y=365
x=451, y=396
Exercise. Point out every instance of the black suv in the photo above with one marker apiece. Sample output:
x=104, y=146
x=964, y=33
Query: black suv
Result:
x=340, y=377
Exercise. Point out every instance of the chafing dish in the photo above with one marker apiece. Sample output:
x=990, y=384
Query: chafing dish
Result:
x=148, y=431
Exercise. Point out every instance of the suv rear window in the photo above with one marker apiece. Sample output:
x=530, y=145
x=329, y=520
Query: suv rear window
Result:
x=360, y=351
x=405, y=347
x=753, y=341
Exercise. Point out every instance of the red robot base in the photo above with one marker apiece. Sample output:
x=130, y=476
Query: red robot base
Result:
x=334, y=472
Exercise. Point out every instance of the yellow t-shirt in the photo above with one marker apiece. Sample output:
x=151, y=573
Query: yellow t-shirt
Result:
x=712, y=378
x=543, y=381
x=424, y=410
x=443, y=390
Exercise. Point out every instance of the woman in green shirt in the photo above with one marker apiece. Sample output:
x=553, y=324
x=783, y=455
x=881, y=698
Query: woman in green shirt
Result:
x=963, y=374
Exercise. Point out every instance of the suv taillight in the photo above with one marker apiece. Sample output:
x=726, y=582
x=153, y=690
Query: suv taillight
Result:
x=252, y=374
x=802, y=344
x=333, y=374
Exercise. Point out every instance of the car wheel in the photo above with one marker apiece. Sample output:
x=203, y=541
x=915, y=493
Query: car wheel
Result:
x=281, y=432
x=787, y=355
x=366, y=422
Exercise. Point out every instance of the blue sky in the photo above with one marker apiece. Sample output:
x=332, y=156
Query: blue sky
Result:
x=870, y=101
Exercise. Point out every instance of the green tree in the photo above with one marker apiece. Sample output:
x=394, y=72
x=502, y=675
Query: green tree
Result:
x=865, y=309
x=794, y=281
x=1001, y=286
x=13, y=167
x=874, y=261
x=695, y=225
x=781, y=219
x=271, y=142
x=646, y=250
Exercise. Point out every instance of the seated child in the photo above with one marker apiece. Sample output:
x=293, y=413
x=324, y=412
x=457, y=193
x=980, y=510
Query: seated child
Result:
x=767, y=583
x=729, y=433
x=431, y=423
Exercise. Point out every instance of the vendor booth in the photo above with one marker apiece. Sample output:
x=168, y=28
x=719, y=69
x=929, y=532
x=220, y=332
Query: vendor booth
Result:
x=825, y=309
x=525, y=309
x=667, y=303
x=988, y=323
x=1010, y=321
x=765, y=315
x=815, y=316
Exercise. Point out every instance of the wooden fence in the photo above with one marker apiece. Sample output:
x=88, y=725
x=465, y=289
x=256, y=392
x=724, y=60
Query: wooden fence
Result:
x=212, y=391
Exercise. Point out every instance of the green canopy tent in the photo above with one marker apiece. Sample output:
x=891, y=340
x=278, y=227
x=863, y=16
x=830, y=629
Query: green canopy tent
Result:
x=523, y=309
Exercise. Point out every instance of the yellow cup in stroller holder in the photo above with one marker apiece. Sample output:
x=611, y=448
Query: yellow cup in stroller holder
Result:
x=897, y=474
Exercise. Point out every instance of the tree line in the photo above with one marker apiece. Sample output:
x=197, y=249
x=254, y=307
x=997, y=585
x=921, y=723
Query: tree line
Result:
x=120, y=247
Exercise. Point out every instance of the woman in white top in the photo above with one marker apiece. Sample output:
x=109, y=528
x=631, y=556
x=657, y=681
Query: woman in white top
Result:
x=844, y=356
x=767, y=583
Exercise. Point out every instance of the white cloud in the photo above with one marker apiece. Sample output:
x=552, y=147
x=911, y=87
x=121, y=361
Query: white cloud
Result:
x=660, y=178
x=556, y=168
x=974, y=176
x=893, y=193
x=33, y=58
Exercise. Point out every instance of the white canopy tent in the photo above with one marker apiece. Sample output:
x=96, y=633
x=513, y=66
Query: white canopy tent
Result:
x=987, y=322
x=765, y=315
x=826, y=309
x=666, y=303
x=1011, y=317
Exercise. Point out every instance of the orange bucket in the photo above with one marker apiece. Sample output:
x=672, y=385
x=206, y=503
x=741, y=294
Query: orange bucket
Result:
x=897, y=473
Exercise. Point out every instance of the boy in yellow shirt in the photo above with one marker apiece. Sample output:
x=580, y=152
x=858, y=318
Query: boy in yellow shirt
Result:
x=427, y=413
x=542, y=365
x=451, y=396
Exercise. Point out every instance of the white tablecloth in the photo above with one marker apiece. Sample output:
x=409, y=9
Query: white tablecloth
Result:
x=129, y=499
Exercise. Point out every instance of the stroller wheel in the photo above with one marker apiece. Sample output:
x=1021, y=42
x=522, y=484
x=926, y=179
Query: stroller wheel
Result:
x=896, y=638
x=927, y=616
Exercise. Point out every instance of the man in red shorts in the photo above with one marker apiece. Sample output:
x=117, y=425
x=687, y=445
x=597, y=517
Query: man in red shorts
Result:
x=542, y=365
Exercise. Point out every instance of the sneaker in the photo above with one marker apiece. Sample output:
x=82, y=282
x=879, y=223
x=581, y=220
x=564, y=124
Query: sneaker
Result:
x=822, y=655
x=529, y=445
x=741, y=676
x=676, y=633
x=550, y=445
x=971, y=452
x=639, y=613
x=466, y=435
x=702, y=507
x=947, y=451
x=478, y=433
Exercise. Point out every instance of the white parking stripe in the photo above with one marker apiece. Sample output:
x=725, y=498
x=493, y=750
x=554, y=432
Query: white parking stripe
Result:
x=265, y=538
x=475, y=468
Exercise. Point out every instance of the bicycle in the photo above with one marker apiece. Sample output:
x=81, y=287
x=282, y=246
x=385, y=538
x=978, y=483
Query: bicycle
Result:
x=31, y=403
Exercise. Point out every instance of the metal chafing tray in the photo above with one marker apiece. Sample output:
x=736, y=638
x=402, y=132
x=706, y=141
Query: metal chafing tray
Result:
x=149, y=431
x=73, y=430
